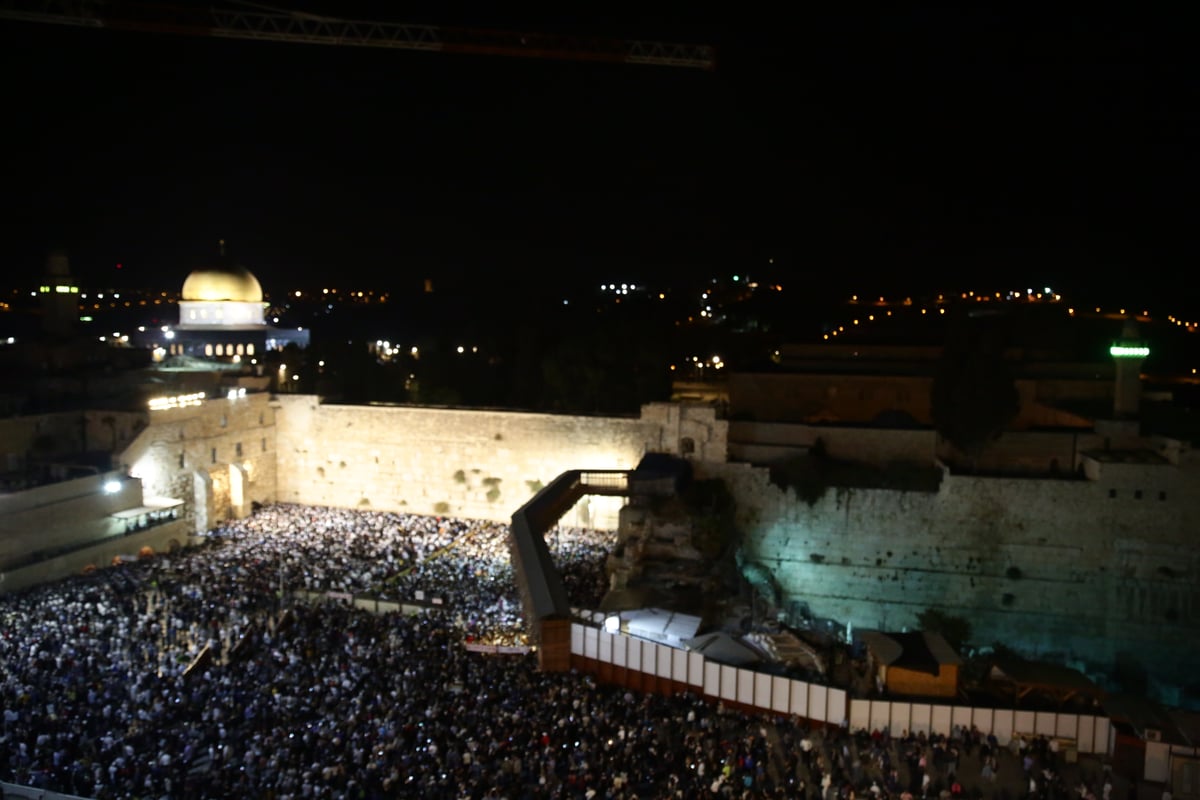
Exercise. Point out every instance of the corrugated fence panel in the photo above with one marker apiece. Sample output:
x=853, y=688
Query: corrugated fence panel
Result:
x=881, y=715
x=1045, y=723
x=696, y=669
x=818, y=701
x=961, y=716
x=712, y=679
x=901, y=721
x=1004, y=726
x=920, y=718
x=591, y=645
x=745, y=687
x=662, y=660
x=800, y=698
x=728, y=682
x=1103, y=735
x=762, y=690
x=577, y=639
x=940, y=720
x=679, y=665
x=621, y=651
x=836, y=709
x=1085, y=736
x=635, y=654
x=1158, y=760
x=606, y=647
x=781, y=694
x=860, y=714
x=1024, y=722
x=1067, y=726
x=983, y=718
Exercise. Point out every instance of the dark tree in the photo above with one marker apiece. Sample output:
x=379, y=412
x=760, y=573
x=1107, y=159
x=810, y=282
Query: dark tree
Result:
x=955, y=630
x=974, y=397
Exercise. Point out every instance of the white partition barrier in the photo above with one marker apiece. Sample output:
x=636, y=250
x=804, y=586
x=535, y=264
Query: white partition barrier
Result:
x=921, y=715
x=799, y=701
x=818, y=701
x=729, y=682
x=901, y=719
x=745, y=687
x=939, y=719
x=833, y=706
x=1003, y=725
x=880, y=716
x=1090, y=734
x=712, y=679
x=663, y=661
x=696, y=669
x=591, y=642
x=781, y=694
x=763, y=684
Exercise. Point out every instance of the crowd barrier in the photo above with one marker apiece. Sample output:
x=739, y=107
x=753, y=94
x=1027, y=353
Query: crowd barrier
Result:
x=762, y=691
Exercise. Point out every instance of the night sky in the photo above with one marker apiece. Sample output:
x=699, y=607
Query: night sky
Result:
x=865, y=148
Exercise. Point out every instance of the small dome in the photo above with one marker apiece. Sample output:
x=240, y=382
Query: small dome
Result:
x=224, y=281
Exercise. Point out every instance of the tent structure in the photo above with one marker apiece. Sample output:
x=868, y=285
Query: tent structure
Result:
x=659, y=625
x=723, y=648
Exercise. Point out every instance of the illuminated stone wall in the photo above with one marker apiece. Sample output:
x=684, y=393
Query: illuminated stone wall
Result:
x=190, y=453
x=49, y=518
x=469, y=463
x=1087, y=568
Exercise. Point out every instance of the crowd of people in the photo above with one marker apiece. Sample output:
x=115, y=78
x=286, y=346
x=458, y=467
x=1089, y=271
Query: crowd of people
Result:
x=199, y=674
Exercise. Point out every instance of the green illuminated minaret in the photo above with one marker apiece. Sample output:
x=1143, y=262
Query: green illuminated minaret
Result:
x=1128, y=353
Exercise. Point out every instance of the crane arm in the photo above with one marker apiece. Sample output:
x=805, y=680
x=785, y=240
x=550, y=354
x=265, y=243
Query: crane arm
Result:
x=312, y=29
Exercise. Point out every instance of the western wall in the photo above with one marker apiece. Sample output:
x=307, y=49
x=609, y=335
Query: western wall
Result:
x=467, y=463
x=1090, y=569
x=1094, y=565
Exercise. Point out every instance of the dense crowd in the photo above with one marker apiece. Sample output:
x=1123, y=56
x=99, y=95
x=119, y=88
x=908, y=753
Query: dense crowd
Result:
x=199, y=675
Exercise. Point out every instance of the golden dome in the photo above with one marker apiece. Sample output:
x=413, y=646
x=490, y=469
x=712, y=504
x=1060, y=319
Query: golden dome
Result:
x=224, y=281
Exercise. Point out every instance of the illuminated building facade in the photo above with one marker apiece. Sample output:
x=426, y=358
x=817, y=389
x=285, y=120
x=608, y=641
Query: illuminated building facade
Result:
x=221, y=313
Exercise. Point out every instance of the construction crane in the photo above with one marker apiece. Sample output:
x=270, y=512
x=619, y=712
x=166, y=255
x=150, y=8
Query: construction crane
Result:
x=301, y=27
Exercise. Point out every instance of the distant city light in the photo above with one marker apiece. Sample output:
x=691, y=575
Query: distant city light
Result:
x=1125, y=351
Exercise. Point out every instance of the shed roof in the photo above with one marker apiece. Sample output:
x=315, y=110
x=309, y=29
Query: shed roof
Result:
x=919, y=651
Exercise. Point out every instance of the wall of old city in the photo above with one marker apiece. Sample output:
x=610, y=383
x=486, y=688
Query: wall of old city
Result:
x=50, y=518
x=199, y=453
x=475, y=464
x=1091, y=569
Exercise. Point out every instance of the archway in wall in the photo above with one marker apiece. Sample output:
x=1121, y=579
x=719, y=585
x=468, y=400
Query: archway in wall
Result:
x=239, y=494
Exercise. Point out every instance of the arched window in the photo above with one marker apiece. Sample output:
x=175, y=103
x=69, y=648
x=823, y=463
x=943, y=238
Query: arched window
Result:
x=220, y=349
x=241, y=350
x=208, y=351
x=250, y=349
